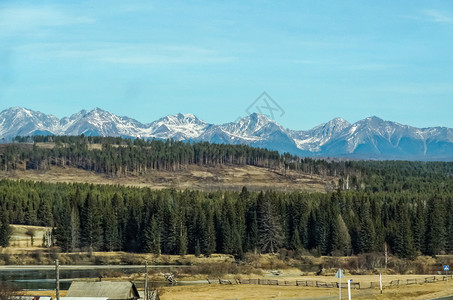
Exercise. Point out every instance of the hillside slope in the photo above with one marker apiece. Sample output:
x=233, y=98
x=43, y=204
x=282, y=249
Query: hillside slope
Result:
x=193, y=177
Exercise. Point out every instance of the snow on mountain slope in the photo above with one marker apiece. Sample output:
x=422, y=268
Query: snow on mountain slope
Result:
x=21, y=121
x=100, y=122
x=255, y=130
x=371, y=138
x=313, y=139
x=178, y=127
x=252, y=128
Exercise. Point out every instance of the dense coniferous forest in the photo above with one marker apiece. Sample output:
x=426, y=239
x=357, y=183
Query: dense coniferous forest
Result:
x=103, y=217
x=406, y=205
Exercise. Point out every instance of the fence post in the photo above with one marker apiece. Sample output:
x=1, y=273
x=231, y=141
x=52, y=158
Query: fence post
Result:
x=57, y=279
x=380, y=282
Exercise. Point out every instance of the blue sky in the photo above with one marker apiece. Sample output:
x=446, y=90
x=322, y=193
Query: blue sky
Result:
x=146, y=59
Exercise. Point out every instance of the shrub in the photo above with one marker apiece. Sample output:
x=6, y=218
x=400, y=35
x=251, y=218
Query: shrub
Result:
x=111, y=274
x=37, y=256
x=101, y=260
x=219, y=269
x=370, y=261
x=331, y=263
x=131, y=259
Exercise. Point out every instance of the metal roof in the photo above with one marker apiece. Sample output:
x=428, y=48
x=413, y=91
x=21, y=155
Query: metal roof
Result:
x=83, y=298
x=110, y=289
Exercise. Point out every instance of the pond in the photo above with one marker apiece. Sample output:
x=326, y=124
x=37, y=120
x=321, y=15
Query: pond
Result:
x=43, y=277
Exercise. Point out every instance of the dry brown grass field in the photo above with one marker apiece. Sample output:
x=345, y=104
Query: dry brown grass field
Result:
x=256, y=292
x=193, y=177
x=195, y=286
x=21, y=239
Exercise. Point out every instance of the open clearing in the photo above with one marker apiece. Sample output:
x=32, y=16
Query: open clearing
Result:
x=255, y=292
x=21, y=236
x=193, y=177
x=258, y=292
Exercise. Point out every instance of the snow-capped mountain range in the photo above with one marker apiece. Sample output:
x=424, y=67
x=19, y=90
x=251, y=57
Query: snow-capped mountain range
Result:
x=371, y=138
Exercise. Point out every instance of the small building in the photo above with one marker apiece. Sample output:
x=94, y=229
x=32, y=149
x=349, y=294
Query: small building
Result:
x=120, y=290
x=84, y=298
x=30, y=298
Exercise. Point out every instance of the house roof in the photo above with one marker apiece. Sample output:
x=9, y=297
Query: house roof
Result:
x=82, y=298
x=110, y=289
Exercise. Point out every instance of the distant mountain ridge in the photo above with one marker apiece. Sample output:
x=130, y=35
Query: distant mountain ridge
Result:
x=370, y=138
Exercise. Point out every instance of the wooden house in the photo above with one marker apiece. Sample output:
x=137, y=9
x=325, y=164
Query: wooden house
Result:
x=121, y=290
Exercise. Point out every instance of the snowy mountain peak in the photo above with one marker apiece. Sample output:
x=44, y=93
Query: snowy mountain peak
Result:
x=21, y=111
x=368, y=138
x=181, y=119
x=100, y=112
x=334, y=126
x=22, y=121
x=16, y=109
x=339, y=122
x=178, y=127
x=373, y=120
x=259, y=118
x=251, y=126
x=186, y=116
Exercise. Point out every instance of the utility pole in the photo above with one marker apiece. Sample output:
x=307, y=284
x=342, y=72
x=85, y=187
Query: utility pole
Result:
x=380, y=282
x=146, y=281
x=57, y=279
x=339, y=275
x=349, y=289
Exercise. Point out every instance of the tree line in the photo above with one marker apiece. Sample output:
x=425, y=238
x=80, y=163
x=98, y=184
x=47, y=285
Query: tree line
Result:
x=116, y=156
x=343, y=222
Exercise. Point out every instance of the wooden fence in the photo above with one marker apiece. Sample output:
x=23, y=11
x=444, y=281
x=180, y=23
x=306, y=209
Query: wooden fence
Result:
x=323, y=284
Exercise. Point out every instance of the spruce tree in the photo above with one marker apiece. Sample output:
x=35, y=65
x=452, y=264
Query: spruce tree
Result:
x=91, y=229
x=449, y=226
x=75, y=229
x=197, y=251
x=209, y=236
x=435, y=227
x=63, y=230
x=418, y=227
x=152, y=237
x=295, y=243
x=404, y=244
x=5, y=229
x=270, y=231
x=182, y=240
x=111, y=237
x=367, y=234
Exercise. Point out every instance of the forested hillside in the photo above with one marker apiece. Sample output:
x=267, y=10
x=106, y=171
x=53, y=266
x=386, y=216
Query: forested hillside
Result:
x=120, y=157
x=408, y=205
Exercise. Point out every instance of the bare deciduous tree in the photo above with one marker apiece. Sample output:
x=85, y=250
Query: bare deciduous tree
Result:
x=7, y=291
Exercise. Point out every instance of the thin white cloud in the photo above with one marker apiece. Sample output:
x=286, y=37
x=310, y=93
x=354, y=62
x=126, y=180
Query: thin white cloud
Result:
x=304, y=62
x=419, y=88
x=13, y=20
x=438, y=16
x=354, y=66
x=121, y=53
x=371, y=67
